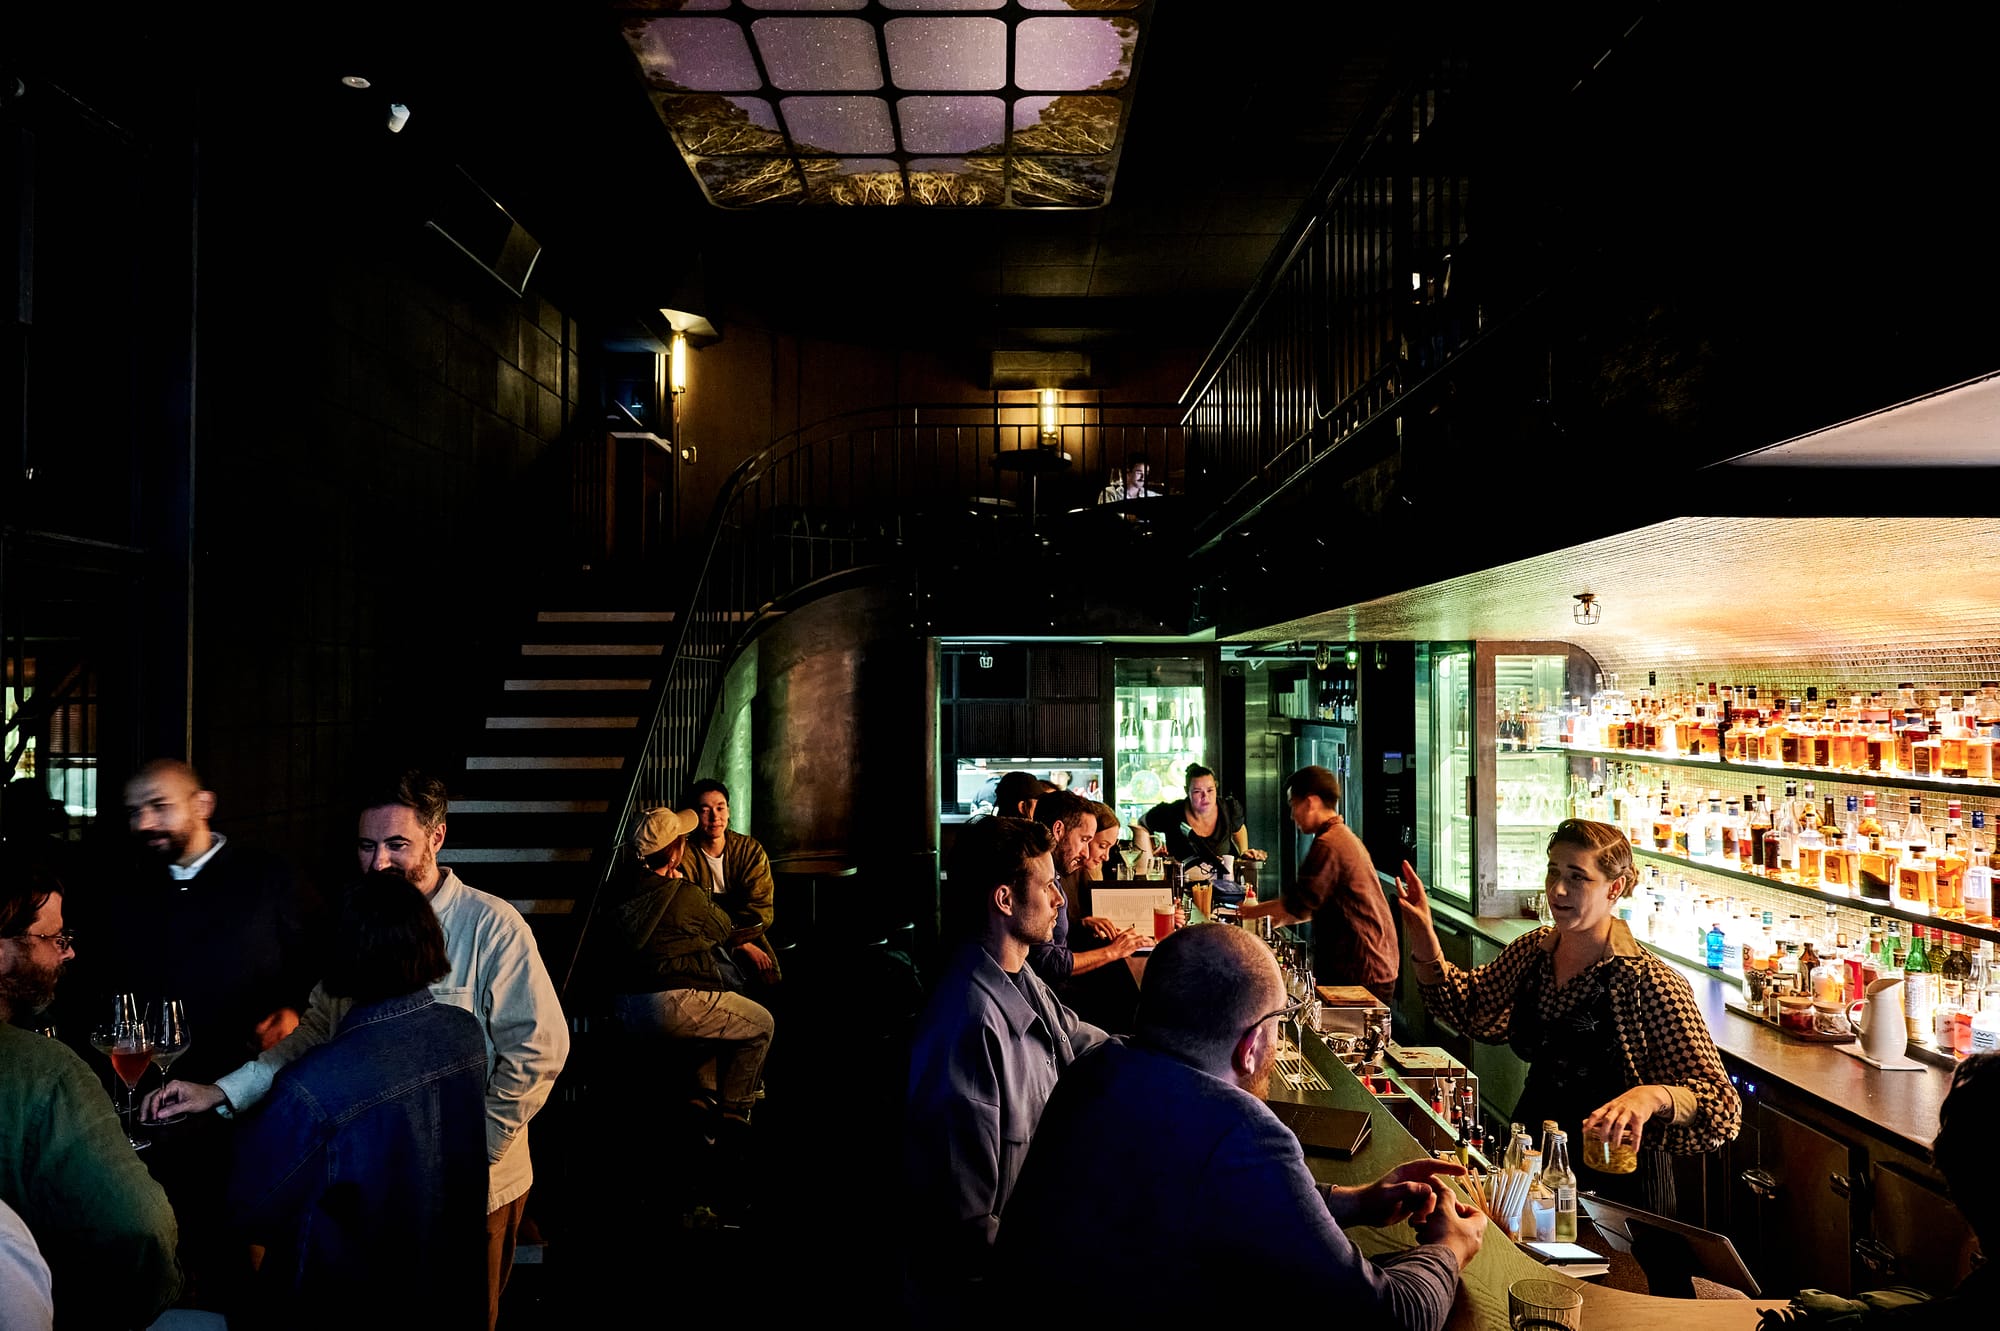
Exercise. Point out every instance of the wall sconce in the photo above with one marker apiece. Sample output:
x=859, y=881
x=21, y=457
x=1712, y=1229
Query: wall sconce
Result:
x=1051, y=399
x=677, y=365
x=1586, y=610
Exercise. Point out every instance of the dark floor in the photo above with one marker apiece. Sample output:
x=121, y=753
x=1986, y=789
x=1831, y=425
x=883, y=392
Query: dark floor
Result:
x=636, y=1210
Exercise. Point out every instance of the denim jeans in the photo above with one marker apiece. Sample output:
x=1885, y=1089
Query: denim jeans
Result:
x=701, y=1014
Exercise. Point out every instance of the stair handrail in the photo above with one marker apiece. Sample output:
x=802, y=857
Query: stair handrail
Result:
x=604, y=856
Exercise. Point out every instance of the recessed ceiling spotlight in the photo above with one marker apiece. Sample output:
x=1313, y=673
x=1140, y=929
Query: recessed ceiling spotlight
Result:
x=354, y=81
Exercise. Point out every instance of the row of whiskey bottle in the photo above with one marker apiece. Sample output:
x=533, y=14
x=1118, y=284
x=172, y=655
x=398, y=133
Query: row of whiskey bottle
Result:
x=1913, y=733
x=1944, y=870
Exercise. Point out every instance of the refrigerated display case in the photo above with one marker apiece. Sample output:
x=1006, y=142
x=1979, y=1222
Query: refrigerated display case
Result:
x=1161, y=710
x=1491, y=796
x=978, y=777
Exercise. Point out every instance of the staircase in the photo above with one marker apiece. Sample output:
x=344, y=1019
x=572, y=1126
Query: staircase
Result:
x=545, y=775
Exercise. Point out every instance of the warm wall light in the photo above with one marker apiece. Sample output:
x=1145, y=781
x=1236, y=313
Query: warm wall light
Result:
x=1051, y=399
x=1586, y=610
x=677, y=365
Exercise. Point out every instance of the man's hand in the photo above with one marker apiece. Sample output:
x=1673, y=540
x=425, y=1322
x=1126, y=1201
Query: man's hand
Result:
x=1457, y=1226
x=1275, y=908
x=1622, y=1120
x=180, y=1097
x=766, y=967
x=1404, y=1193
x=1124, y=943
x=273, y=1028
x=1100, y=926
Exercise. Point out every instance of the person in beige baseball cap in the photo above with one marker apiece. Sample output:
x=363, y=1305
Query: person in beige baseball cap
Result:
x=660, y=931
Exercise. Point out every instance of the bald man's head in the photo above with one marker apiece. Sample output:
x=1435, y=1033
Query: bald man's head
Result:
x=168, y=811
x=1206, y=985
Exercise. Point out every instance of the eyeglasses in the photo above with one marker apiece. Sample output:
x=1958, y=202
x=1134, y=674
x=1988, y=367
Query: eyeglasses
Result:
x=1288, y=1010
x=64, y=939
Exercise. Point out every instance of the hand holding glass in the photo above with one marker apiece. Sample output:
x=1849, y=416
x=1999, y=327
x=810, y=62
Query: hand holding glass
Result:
x=166, y=1026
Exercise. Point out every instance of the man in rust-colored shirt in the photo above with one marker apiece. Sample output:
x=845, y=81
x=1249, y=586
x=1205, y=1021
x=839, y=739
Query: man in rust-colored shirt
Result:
x=1354, y=930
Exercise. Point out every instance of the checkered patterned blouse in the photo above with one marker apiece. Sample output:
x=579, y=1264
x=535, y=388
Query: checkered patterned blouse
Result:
x=1659, y=1029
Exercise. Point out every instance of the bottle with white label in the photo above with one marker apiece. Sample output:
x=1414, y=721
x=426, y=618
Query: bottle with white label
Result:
x=1561, y=1181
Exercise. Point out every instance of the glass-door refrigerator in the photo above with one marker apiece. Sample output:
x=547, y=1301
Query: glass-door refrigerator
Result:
x=1491, y=792
x=1160, y=720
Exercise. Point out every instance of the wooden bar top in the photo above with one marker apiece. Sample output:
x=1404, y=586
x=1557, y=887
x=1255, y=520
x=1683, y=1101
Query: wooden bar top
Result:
x=1481, y=1304
x=1902, y=1106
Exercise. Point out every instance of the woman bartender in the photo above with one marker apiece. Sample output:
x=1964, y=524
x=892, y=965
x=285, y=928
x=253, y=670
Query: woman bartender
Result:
x=1656, y=1083
x=1200, y=827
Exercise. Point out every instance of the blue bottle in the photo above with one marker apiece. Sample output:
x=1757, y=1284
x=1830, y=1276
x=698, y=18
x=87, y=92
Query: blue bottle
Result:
x=1715, y=947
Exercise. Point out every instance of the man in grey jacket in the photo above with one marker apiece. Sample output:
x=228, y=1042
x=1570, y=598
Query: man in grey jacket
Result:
x=496, y=974
x=987, y=1053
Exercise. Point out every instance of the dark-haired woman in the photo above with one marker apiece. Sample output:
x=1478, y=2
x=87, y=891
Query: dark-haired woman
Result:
x=1203, y=827
x=1613, y=1040
x=364, y=1171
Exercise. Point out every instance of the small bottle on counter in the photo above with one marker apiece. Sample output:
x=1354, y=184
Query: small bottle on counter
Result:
x=1561, y=1181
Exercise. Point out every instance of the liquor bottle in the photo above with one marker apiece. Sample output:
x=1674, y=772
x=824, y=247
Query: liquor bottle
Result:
x=1732, y=824
x=1951, y=865
x=1713, y=945
x=1871, y=822
x=1710, y=841
x=1785, y=828
x=1663, y=821
x=1954, y=974
x=1811, y=851
x=1561, y=1181
x=1760, y=831
x=1976, y=890
x=1916, y=877
x=1919, y=989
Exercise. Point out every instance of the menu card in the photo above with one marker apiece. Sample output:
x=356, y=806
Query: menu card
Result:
x=1130, y=907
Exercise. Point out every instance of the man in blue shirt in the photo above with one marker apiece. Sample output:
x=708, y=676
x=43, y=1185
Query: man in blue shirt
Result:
x=987, y=1053
x=1187, y=1091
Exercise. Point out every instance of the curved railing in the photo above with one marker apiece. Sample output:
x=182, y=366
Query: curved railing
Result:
x=859, y=490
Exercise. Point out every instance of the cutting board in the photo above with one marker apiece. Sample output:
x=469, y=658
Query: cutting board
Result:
x=1348, y=995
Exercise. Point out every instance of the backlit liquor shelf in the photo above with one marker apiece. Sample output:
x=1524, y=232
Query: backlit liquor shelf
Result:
x=1866, y=905
x=1818, y=775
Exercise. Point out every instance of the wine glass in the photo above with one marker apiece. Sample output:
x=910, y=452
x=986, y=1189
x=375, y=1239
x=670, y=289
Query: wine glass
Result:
x=121, y=1037
x=166, y=1026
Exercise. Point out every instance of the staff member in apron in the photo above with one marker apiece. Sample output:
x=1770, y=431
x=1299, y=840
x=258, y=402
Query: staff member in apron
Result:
x=1614, y=1043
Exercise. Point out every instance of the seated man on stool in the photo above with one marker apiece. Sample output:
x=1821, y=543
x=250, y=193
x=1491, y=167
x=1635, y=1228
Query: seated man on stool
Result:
x=1187, y=1093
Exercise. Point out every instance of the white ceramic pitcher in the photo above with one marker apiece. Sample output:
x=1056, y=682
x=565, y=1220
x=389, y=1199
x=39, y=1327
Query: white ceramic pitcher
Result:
x=1878, y=1018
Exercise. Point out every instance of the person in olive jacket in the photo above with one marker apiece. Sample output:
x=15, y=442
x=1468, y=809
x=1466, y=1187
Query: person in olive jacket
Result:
x=659, y=931
x=734, y=870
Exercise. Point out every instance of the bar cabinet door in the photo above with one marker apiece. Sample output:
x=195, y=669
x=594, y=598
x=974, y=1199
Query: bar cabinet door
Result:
x=1916, y=1236
x=1803, y=1188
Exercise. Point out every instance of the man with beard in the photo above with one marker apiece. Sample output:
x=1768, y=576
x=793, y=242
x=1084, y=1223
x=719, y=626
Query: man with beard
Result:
x=102, y=1223
x=987, y=1052
x=202, y=917
x=1078, y=966
x=1190, y=1085
x=222, y=926
x=496, y=974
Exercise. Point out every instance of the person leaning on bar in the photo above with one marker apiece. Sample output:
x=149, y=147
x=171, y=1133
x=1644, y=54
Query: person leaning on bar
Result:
x=1555, y=994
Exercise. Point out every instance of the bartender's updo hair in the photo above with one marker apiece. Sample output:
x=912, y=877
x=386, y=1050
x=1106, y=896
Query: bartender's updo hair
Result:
x=1612, y=851
x=1195, y=771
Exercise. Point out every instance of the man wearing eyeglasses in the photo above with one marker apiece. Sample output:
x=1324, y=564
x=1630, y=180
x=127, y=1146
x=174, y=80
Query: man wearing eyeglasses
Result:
x=987, y=1052
x=1187, y=1089
x=101, y=1222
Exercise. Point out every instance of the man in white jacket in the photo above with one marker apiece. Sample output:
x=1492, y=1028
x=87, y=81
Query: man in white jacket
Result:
x=496, y=974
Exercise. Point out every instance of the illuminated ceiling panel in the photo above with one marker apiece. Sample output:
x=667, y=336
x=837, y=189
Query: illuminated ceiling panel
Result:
x=925, y=103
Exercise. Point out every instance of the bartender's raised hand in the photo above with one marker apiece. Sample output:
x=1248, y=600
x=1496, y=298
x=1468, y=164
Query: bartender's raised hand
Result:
x=1457, y=1226
x=1416, y=907
x=180, y=1097
x=1622, y=1120
x=1254, y=856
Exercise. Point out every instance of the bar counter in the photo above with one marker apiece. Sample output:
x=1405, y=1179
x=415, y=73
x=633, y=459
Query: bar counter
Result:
x=1902, y=1106
x=1481, y=1304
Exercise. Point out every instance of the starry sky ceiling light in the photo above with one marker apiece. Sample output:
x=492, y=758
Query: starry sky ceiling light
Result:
x=942, y=103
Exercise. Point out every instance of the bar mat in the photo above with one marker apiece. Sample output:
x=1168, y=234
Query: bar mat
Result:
x=1900, y=1065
